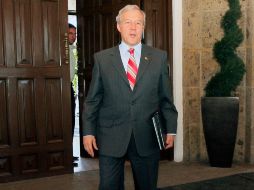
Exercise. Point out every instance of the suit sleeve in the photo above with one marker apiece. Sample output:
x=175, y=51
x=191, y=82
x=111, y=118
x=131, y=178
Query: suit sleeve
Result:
x=167, y=106
x=93, y=101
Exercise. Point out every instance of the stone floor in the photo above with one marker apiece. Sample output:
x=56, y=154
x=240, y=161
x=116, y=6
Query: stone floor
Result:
x=170, y=173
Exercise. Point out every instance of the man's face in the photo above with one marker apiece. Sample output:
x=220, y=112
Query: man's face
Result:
x=131, y=27
x=71, y=35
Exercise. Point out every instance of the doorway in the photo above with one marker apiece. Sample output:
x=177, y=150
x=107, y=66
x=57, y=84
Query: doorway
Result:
x=83, y=163
x=96, y=31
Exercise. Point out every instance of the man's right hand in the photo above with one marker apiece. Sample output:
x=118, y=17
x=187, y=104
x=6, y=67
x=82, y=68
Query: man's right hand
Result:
x=89, y=143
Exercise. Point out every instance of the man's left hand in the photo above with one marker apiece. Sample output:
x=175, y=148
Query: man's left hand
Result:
x=169, y=141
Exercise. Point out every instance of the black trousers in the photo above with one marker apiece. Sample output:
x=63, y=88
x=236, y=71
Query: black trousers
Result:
x=73, y=105
x=144, y=170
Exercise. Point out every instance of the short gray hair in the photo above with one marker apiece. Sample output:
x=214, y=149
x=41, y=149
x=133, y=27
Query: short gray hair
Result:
x=129, y=8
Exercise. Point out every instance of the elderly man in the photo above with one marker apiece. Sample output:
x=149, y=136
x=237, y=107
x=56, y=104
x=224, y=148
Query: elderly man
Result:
x=130, y=82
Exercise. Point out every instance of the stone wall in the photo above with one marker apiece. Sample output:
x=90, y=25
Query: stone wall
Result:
x=201, y=29
x=250, y=81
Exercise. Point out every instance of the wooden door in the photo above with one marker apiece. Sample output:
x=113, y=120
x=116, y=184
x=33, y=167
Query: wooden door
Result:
x=158, y=33
x=97, y=31
x=35, y=119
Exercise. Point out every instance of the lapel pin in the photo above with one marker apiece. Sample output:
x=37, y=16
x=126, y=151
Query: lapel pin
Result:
x=146, y=58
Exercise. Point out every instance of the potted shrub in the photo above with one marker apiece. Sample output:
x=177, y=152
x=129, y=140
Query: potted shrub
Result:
x=220, y=109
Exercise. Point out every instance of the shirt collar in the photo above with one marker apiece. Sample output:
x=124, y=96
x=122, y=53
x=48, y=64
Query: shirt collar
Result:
x=126, y=47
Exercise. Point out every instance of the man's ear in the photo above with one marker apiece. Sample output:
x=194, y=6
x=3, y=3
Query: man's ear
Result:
x=118, y=28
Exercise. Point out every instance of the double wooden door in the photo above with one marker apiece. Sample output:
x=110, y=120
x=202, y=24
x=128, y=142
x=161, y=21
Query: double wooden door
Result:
x=35, y=118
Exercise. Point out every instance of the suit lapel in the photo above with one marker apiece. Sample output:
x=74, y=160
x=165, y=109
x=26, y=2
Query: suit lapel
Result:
x=143, y=65
x=117, y=63
x=144, y=62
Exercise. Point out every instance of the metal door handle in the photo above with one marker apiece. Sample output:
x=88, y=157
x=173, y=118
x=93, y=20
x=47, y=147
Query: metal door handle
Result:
x=66, y=47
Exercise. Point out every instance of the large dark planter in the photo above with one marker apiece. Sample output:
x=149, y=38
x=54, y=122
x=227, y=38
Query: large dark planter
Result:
x=220, y=120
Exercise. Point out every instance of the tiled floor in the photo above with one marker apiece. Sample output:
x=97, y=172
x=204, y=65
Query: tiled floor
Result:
x=170, y=173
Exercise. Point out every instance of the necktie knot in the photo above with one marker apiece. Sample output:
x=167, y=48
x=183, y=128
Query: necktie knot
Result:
x=131, y=50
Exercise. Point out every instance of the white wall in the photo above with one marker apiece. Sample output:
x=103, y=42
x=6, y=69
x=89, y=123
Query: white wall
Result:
x=72, y=5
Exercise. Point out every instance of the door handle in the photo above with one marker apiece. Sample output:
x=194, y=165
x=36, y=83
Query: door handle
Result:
x=66, y=48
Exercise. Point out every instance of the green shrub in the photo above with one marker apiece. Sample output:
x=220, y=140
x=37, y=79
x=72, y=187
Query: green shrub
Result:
x=232, y=68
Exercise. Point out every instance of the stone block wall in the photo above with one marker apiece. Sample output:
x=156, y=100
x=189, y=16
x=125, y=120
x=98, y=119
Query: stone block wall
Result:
x=250, y=82
x=201, y=29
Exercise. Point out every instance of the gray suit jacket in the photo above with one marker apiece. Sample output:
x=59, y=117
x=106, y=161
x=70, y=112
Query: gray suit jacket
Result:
x=113, y=111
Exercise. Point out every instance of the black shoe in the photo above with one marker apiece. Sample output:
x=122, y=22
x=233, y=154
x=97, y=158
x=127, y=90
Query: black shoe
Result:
x=75, y=158
x=74, y=164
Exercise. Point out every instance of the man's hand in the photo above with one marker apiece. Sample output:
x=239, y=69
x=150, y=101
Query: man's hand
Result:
x=89, y=143
x=170, y=141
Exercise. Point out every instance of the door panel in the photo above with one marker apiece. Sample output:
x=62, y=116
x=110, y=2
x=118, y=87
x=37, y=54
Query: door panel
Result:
x=155, y=32
x=4, y=137
x=50, y=31
x=23, y=30
x=53, y=110
x=158, y=32
x=1, y=37
x=35, y=119
x=26, y=112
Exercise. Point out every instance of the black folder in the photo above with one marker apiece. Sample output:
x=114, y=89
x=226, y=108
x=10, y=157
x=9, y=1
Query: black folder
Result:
x=158, y=128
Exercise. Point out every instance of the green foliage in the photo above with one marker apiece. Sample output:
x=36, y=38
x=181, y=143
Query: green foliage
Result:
x=232, y=68
x=75, y=84
x=75, y=79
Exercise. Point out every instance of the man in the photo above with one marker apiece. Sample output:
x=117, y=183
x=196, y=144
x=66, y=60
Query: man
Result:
x=130, y=82
x=71, y=39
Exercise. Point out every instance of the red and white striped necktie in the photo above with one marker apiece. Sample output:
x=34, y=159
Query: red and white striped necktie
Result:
x=132, y=69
